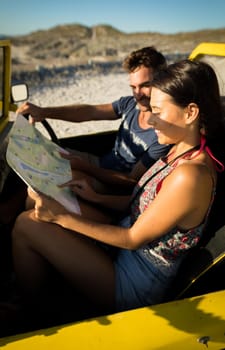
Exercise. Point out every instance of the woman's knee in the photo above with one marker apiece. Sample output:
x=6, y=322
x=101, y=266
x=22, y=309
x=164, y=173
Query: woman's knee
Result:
x=22, y=226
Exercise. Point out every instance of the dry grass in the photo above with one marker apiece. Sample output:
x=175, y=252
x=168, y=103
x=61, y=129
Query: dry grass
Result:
x=75, y=44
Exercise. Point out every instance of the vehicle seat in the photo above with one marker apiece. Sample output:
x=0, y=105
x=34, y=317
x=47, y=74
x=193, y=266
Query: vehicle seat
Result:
x=203, y=269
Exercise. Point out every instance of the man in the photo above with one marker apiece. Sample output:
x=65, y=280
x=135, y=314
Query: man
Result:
x=136, y=147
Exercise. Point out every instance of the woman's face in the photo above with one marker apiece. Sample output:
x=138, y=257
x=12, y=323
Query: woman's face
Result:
x=167, y=119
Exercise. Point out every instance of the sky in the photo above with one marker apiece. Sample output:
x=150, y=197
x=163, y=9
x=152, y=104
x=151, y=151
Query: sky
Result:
x=19, y=17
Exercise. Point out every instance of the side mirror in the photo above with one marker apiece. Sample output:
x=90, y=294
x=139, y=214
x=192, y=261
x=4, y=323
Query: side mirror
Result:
x=19, y=92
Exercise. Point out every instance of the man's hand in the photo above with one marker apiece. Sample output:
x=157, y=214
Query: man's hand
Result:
x=76, y=162
x=35, y=112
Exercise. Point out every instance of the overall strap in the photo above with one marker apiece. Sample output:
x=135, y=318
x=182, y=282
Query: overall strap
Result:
x=189, y=151
x=218, y=165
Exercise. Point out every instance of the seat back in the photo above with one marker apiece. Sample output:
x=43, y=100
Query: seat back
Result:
x=203, y=270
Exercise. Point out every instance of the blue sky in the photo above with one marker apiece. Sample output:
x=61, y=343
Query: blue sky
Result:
x=24, y=16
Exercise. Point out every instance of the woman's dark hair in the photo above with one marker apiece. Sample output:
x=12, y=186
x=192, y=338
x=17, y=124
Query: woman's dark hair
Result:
x=188, y=81
x=147, y=56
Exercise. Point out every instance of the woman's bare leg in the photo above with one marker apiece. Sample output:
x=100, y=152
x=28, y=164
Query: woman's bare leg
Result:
x=37, y=245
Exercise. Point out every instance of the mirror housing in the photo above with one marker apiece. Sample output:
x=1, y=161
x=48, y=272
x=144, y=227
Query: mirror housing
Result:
x=19, y=92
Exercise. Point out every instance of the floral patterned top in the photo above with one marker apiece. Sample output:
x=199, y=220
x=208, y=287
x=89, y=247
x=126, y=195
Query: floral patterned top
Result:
x=176, y=242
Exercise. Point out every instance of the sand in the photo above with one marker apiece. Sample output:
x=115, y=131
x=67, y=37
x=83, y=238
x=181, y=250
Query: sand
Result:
x=91, y=89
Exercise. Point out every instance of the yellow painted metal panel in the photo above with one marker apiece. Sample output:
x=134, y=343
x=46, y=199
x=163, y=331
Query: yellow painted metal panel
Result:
x=212, y=49
x=174, y=325
x=6, y=46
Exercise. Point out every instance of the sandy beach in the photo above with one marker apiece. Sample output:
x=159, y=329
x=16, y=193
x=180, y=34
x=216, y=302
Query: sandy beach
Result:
x=91, y=89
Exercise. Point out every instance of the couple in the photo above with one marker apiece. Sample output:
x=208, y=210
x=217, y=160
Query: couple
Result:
x=163, y=218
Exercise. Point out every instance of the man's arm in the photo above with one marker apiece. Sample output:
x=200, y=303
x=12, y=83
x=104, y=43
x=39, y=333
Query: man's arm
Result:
x=72, y=113
x=107, y=176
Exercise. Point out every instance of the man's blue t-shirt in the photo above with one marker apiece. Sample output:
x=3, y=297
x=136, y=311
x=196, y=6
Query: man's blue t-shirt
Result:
x=132, y=143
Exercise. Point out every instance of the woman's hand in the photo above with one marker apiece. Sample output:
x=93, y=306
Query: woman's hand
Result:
x=45, y=208
x=82, y=188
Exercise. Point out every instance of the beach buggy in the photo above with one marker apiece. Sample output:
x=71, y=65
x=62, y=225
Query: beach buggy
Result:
x=193, y=314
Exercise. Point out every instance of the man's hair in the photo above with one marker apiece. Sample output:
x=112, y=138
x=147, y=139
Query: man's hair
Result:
x=148, y=57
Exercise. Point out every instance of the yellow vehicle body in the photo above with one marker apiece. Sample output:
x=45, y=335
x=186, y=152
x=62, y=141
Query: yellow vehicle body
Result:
x=194, y=323
x=5, y=102
x=211, y=49
x=191, y=323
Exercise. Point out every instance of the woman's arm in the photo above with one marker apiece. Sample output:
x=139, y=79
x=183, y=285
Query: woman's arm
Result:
x=182, y=201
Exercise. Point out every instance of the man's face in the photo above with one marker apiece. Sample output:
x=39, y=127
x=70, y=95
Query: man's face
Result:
x=140, y=84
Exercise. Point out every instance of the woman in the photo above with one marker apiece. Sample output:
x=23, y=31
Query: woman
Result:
x=166, y=213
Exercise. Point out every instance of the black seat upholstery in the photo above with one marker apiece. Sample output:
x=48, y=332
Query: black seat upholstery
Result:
x=203, y=270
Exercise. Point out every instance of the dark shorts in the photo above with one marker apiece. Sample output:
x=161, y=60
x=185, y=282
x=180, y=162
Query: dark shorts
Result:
x=139, y=281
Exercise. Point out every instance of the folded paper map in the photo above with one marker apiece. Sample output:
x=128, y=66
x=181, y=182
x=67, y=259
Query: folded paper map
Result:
x=37, y=161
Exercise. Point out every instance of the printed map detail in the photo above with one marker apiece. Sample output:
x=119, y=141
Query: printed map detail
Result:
x=38, y=162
